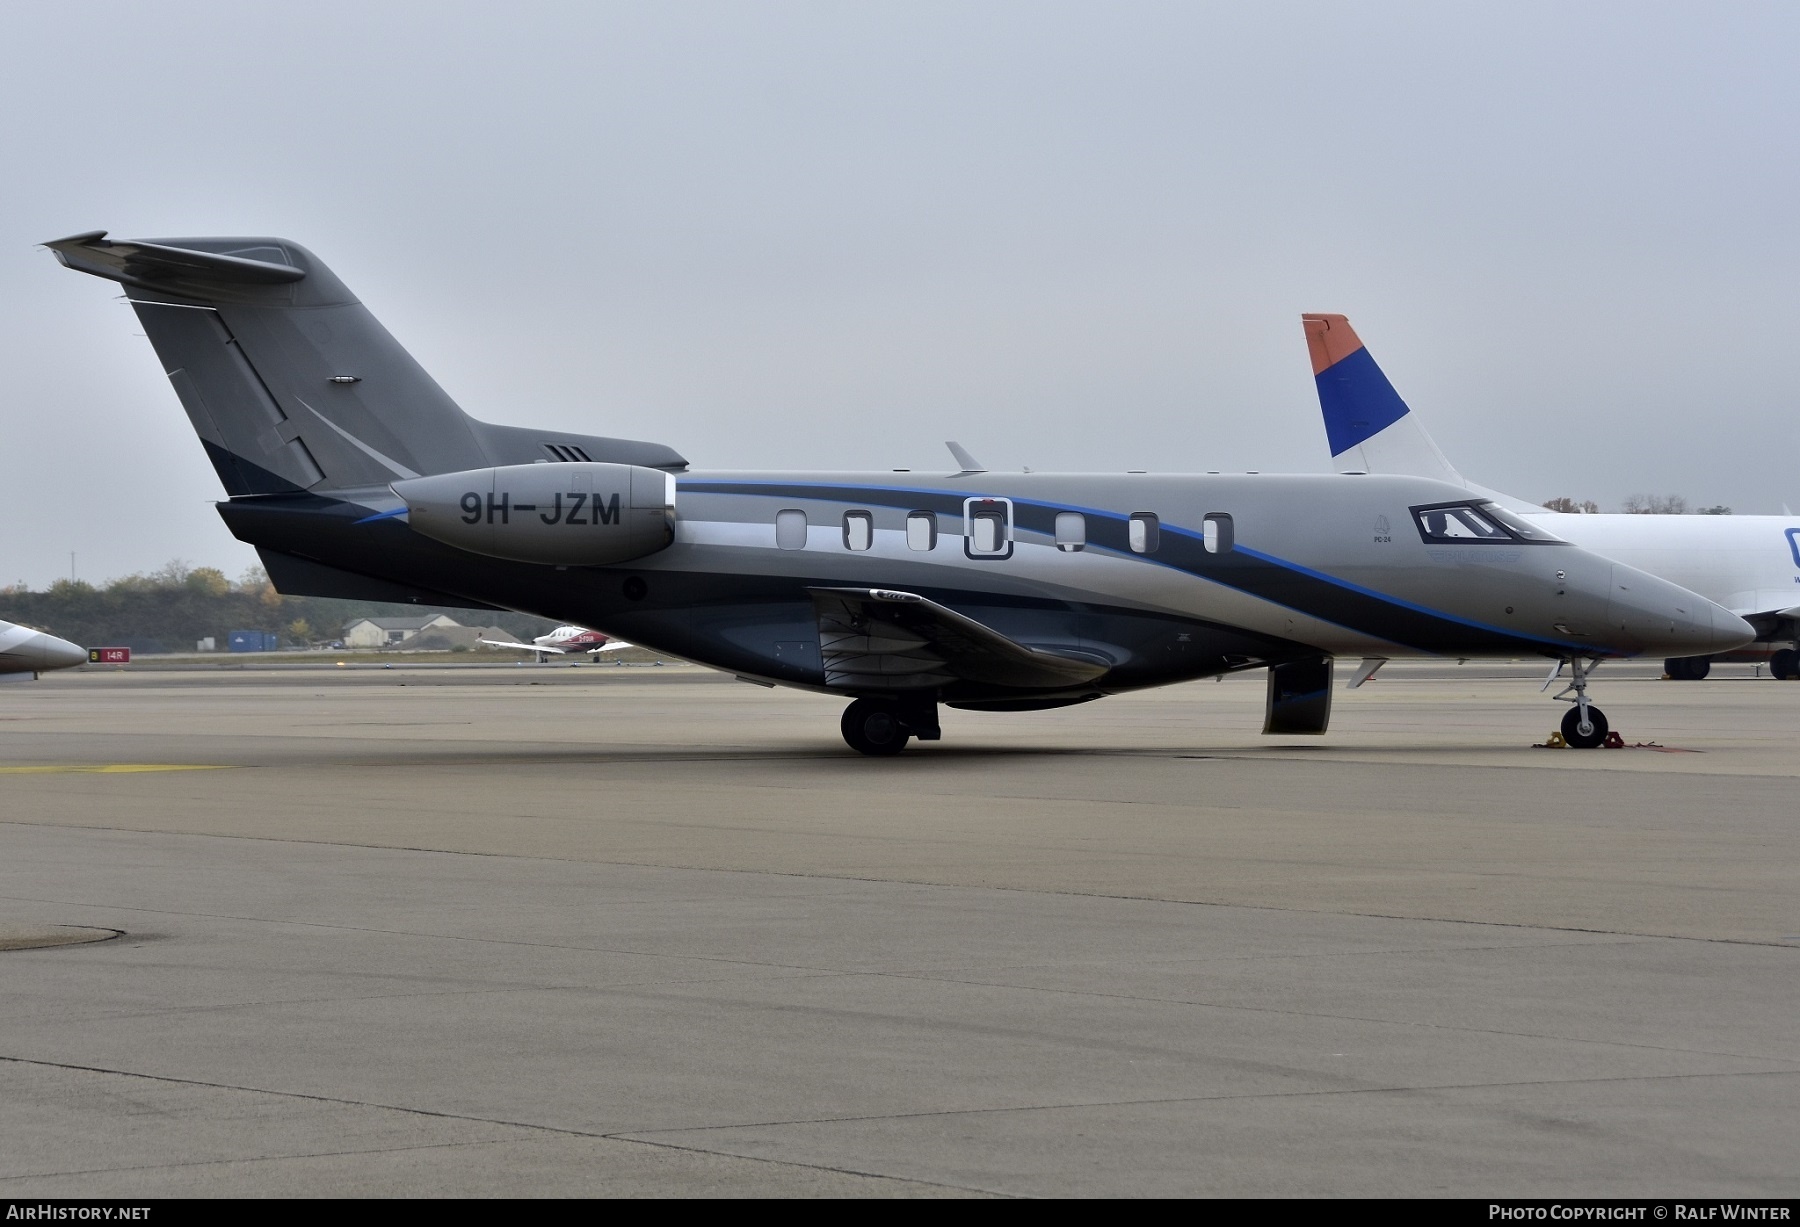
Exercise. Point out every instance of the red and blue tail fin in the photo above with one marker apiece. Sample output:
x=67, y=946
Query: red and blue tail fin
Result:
x=1368, y=426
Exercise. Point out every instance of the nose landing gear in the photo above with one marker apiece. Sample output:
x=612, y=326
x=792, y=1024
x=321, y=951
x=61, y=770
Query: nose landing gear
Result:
x=1584, y=726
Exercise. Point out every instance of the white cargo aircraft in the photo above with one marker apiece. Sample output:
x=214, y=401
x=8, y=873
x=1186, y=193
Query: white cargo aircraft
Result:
x=1748, y=564
x=27, y=651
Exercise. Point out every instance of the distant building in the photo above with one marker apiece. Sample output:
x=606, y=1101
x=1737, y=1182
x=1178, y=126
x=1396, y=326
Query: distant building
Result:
x=393, y=632
x=449, y=638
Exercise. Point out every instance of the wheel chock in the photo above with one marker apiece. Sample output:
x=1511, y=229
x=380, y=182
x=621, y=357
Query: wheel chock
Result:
x=1613, y=740
x=1553, y=742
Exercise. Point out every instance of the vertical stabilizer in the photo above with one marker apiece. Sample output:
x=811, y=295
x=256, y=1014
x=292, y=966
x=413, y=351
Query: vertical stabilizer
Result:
x=292, y=384
x=1369, y=427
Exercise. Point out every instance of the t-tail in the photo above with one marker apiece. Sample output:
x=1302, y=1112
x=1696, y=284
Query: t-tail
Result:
x=290, y=382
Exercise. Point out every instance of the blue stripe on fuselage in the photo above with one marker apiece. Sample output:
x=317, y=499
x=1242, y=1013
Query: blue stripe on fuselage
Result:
x=1316, y=594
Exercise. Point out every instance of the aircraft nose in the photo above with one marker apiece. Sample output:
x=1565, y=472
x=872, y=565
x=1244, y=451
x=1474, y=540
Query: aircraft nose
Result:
x=54, y=653
x=1663, y=619
x=1728, y=630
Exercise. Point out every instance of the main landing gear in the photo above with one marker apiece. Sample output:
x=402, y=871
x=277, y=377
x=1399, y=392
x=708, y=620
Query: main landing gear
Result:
x=1687, y=668
x=1583, y=725
x=882, y=726
x=1785, y=664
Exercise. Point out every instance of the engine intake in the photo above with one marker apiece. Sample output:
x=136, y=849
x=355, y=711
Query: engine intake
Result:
x=573, y=514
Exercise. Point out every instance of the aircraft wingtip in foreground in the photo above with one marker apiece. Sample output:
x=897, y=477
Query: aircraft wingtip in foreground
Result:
x=24, y=651
x=1747, y=564
x=354, y=475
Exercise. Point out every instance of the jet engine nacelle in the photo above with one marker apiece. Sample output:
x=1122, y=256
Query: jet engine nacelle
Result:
x=567, y=514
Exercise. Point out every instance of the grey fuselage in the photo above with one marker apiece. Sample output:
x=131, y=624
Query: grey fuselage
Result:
x=1316, y=564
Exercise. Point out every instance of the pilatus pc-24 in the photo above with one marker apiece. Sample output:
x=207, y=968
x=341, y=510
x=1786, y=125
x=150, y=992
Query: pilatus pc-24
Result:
x=354, y=475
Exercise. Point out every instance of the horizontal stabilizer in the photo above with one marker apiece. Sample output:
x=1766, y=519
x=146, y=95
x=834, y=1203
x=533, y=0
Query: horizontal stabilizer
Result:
x=137, y=262
x=289, y=381
x=880, y=640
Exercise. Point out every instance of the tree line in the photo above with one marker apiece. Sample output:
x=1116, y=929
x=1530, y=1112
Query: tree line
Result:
x=1640, y=504
x=173, y=608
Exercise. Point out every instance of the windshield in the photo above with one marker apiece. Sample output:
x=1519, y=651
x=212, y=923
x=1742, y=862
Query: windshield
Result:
x=1522, y=527
x=1467, y=523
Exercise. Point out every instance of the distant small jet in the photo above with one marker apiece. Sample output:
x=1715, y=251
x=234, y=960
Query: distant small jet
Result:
x=24, y=650
x=564, y=640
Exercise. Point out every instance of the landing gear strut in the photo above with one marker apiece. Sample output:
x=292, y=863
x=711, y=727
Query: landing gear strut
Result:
x=881, y=727
x=1583, y=725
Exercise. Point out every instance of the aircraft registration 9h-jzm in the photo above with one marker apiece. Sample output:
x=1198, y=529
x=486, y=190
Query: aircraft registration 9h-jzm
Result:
x=354, y=475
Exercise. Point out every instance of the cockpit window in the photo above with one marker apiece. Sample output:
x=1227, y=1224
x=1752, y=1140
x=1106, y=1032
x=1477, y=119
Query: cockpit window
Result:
x=1472, y=523
x=1519, y=526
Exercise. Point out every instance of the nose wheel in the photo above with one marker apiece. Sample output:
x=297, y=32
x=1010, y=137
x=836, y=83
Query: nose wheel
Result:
x=1584, y=726
x=1595, y=734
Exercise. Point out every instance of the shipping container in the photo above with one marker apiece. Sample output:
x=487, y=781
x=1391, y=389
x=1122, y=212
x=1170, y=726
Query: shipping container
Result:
x=252, y=641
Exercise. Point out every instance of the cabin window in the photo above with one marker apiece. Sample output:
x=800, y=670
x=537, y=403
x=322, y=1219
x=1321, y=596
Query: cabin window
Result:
x=790, y=529
x=1071, y=531
x=989, y=527
x=1144, y=532
x=1216, y=532
x=859, y=530
x=921, y=531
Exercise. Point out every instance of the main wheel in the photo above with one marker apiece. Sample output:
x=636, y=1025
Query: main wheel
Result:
x=873, y=727
x=1785, y=663
x=1571, y=728
x=1687, y=668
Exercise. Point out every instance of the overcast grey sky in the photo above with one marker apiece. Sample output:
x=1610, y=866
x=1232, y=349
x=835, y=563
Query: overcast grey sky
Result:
x=833, y=235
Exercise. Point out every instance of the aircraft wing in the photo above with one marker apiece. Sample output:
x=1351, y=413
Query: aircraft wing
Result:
x=523, y=647
x=878, y=639
x=611, y=645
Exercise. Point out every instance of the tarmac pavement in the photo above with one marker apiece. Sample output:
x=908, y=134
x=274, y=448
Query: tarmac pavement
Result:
x=594, y=931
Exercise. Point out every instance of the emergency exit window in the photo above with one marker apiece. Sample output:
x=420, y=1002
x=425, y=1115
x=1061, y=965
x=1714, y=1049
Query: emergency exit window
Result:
x=988, y=524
